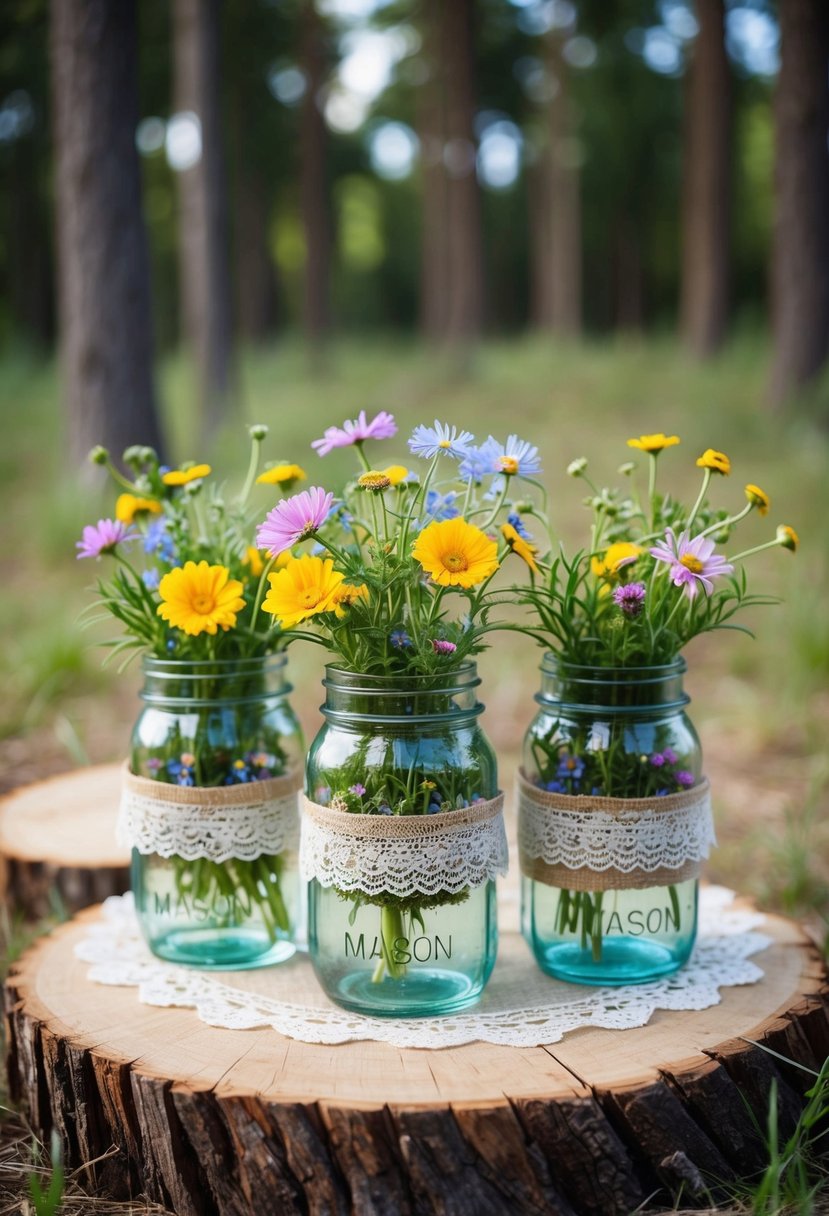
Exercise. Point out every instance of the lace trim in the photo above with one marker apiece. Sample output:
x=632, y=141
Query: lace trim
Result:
x=403, y=855
x=520, y=1007
x=217, y=823
x=605, y=843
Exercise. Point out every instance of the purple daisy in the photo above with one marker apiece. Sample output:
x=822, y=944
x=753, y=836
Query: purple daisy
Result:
x=358, y=430
x=630, y=597
x=431, y=441
x=684, y=778
x=670, y=755
x=441, y=647
x=294, y=519
x=691, y=561
x=103, y=537
x=358, y=788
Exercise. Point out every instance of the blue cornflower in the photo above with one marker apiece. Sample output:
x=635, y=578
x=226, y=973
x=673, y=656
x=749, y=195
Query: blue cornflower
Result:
x=399, y=639
x=430, y=441
x=515, y=519
x=478, y=463
x=151, y=579
x=570, y=767
x=158, y=540
x=553, y=787
x=438, y=507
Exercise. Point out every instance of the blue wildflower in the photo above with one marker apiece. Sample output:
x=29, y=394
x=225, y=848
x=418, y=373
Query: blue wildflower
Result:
x=399, y=639
x=158, y=540
x=570, y=767
x=150, y=579
x=553, y=787
x=431, y=441
x=515, y=519
x=441, y=506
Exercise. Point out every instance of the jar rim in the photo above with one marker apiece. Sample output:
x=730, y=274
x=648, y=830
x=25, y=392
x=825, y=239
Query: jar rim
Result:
x=152, y=665
x=465, y=675
x=599, y=672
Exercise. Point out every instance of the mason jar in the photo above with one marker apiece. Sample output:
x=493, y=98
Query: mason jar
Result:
x=395, y=748
x=616, y=740
x=215, y=766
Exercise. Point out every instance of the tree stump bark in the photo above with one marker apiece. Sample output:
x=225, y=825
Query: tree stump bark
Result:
x=212, y=1121
x=57, y=843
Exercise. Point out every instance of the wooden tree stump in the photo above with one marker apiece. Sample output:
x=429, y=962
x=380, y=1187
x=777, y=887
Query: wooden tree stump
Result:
x=212, y=1121
x=57, y=843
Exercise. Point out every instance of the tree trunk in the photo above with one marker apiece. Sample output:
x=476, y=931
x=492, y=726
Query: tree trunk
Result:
x=204, y=262
x=256, y=294
x=103, y=258
x=314, y=193
x=800, y=270
x=629, y=276
x=555, y=215
x=706, y=219
x=464, y=243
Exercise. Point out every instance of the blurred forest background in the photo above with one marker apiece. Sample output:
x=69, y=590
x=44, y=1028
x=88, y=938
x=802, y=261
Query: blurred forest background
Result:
x=579, y=220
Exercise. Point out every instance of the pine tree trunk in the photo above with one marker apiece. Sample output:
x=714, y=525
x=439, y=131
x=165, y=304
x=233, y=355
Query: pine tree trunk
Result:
x=706, y=219
x=314, y=193
x=434, y=260
x=628, y=276
x=555, y=212
x=464, y=244
x=256, y=295
x=800, y=271
x=204, y=261
x=103, y=259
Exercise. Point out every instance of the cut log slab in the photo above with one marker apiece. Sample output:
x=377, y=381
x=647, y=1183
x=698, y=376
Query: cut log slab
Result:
x=57, y=843
x=212, y=1122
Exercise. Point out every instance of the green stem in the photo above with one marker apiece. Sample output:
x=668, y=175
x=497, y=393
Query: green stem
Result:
x=706, y=477
x=391, y=929
x=253, y=465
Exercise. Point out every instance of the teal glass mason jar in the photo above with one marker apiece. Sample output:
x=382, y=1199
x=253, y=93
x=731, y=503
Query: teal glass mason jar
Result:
x=616, y=741
x=216, y=760
x=394, y=749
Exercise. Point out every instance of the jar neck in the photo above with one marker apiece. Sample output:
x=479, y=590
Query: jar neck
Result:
x=614, y=689
x=177, y=683
x=353, y=699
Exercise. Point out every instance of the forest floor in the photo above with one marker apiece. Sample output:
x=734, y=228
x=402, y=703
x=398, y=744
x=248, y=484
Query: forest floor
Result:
x=761, y=707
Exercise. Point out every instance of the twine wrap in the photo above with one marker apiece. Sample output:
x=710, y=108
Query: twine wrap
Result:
x=613, y=844
x=218, y=823
x=403, y=855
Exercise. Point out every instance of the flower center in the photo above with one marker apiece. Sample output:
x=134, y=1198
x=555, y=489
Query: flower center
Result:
x=509, y=465
x=445, y=443
x=203, y=604
x=455, y=562
x=691, y=563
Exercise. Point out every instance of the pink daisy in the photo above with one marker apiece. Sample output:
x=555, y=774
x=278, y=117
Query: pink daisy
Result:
x=691, y=561
x=381, y=427
x=294, y=519
x=103, y=537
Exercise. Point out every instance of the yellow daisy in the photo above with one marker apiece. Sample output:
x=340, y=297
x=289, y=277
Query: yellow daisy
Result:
x=653, y=443
x=787, y=537
x=518, y=545
x=183, y=477
x=396, y=473
x=455, y=553
x=758, y=498
x=281, y=474
x=304, y=588
x=716, y=461
x=616, y=557
x=346, y=595
x=200, y=598
x=127, y=506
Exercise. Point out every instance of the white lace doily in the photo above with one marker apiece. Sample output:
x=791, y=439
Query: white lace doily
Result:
x=520, y=1007
x=241, y=821
x=667, y=834
x=404, y=854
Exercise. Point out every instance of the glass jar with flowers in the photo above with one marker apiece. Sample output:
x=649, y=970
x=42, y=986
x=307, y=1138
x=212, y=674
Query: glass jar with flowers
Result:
x=402, y=827
x=614, y=809
x=209, y=797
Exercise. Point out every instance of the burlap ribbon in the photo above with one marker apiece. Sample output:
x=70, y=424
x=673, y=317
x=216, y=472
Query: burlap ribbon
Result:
x=219, y=822
x=601, y=844
x=403, y=854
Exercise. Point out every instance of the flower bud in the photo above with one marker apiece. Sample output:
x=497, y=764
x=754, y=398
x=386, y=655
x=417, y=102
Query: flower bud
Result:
x=257, y=431
x=576, y=467
x=627, y=468
x=787, y=538
x=99, y=455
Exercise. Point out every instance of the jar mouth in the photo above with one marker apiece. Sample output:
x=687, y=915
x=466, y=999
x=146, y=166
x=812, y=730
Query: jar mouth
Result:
x=617, y=690
x=177, y=669
x=356, y=698
x=181, y=684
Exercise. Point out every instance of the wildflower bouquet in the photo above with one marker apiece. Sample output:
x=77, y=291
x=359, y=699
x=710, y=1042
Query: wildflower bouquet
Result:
x=397, y=586
x=616, y=617
x=187, y=585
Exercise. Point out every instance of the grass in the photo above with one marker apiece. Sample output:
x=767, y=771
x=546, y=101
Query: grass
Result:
x=762, y=707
